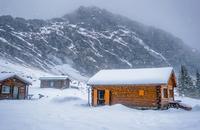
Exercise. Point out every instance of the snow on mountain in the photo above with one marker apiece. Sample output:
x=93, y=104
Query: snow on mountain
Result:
x=90, y=39
x=33, y=74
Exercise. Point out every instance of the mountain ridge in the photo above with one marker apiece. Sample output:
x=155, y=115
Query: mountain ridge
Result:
x=90, y=39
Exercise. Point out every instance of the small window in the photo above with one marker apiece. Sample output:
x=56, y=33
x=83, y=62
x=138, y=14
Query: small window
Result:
x=5, y=89
x=165, y=93
x=101, y=94
x=141, y=92
x=51, y=84
x=171, y=93
x=64, y=83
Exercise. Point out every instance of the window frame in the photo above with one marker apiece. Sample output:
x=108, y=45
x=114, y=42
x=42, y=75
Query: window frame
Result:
x=64, y=82
x=3, y=90
x=101, y=94
x=171, y=94
x=141, y=92
x=165, y=93
x=52, y=84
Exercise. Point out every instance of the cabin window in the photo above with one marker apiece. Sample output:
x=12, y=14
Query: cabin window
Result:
x=101, y=94
x=51, y=84
x=141, y=92
x=5, y=89
x=171, y=93
x=101, y=100
x=165, y=93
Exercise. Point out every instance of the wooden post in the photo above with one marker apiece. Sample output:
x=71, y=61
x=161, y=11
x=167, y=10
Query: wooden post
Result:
x=159, y=96
x=27, y=87
x=107, y=97
x=94, y=97
x=89, y=94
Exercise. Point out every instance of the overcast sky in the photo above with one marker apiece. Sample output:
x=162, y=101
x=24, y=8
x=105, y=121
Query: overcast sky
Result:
x=180, y=17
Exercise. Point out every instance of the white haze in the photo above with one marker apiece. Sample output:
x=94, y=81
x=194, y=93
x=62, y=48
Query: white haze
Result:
x=180, y=17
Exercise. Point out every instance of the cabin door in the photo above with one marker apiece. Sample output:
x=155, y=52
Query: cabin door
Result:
x=100, y=97
x=15, y=92
x=103, y=97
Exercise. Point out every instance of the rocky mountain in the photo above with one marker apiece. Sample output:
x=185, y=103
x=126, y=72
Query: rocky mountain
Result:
x=90, y=39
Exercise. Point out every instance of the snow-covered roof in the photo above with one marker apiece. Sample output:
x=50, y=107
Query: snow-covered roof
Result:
x=4, y=76
x=132, y=76
x=54, y=78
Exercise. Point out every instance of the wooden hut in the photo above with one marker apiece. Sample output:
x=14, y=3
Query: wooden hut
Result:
x=60, y=82
x=147, y=88
x=13, y=86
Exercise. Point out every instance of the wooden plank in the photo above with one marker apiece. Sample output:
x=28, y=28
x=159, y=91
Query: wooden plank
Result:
x=107, y=97
x=94, y=97
x=129, y=95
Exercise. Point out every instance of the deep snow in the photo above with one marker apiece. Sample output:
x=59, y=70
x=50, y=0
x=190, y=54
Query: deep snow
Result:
x=68, y=110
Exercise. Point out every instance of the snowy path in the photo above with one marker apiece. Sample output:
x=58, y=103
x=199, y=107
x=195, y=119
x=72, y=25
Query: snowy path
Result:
x=67, y=110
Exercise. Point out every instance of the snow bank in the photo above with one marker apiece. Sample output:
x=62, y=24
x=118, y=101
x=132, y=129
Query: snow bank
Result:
x=196, y=108
x=68, y=109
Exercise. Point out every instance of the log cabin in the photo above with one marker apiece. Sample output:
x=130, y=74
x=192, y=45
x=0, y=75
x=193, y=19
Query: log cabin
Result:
x=60, y=82
x=13, y=86
x=144, y=88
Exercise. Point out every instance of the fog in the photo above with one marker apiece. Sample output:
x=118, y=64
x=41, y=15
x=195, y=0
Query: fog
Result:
x=180, y=17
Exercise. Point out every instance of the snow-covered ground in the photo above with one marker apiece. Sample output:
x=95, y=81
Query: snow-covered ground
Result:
x=68, y=110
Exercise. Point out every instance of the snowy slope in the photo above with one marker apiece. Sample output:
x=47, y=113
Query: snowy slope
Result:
x=34, y=73
x=88, y=40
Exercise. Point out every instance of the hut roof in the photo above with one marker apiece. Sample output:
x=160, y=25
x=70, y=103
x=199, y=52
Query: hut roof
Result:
x=132, y=76
x=4, y=76
x=54, y=78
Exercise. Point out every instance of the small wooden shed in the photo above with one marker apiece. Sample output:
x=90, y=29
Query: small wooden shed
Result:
x=13, y=86
x=146, y=88
x=60, y=82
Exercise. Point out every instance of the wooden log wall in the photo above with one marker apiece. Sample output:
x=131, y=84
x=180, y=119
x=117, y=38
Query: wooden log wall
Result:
x=13, y=82
x=170, y=87
x=129, y=95
x=56, y=83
